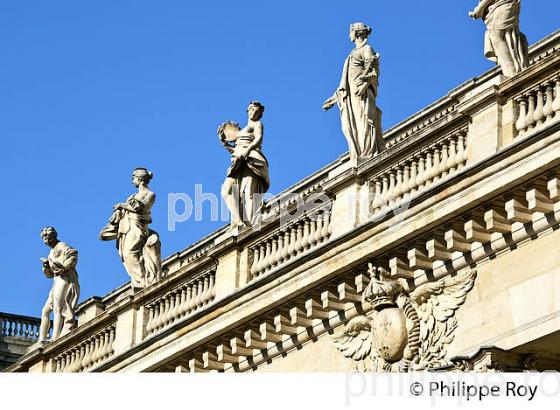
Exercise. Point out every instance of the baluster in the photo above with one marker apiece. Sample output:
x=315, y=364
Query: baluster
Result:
x=429, y=168
x=531, y=110
x=161, y=314
x=157, y=314
x=420, y=178
x=319, y=228
x=96, y=345
x=151, y=317
x=205, y=289
x=165, y=316
x=59, y=364
x=102, y=346
x=193, y=291
x=197, y=292
x=286, y=248
x=280, y=251
x=465, y=143
x=72, y=367
x=262, y=258
x=188, y=300
x=384, y=196
x=460, y=150
x=67, y=362
x=255, y=264
x=539, y=108
x=91, y=349
x=312, y=230
x=176, y=305
x=413, y=176
x=273, y=250
x=293, y=240
x=110, y=350
x=451, y=164
x=182, y=306
x=521, y=123
x=434, y=173
x=72, y=359
x=327, y=228
x=548, y=112
x=85, y=359
x=299, y=237
x=392, y=186
x=268, y=261
x=556, y=102
x=75, y=359
x=376, y=202
x=64, y=363
x=82, y=355
x=399, y=184
x=207, y=292
x=444, y=158
x=202, y=289
x=212, y=286
x=306, y=231
x=406, y=181
x=106, y=347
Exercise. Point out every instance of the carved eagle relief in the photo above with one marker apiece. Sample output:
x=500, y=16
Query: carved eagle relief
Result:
x=405, y=331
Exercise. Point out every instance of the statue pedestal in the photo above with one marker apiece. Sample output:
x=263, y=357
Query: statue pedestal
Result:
x=37, y=345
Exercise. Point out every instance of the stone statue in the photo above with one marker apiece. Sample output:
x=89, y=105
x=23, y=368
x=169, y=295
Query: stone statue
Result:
x=60, y=266
x=139, y=246
x=405, y=331
x=504, y=44
x=355, y=96
x=247, y=177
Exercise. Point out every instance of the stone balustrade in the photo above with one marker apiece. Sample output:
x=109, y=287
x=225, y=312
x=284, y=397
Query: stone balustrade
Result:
x=417, y=172
x=19, y=326
x=290, y=241
x=87, y=353
x=180, y=302
x=539, y=106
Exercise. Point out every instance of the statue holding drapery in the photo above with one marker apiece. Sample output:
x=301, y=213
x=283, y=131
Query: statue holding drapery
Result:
x=355, y=96
x=247, y=177
x=504, y=43
x=139, y=246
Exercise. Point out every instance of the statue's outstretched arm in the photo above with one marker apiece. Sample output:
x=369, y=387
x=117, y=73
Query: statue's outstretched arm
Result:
x=478, y=12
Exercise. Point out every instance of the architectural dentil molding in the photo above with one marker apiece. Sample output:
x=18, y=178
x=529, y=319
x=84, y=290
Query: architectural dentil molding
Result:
x=404, y=331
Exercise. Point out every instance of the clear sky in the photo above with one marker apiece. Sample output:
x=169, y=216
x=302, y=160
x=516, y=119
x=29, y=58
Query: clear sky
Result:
x=90, y=90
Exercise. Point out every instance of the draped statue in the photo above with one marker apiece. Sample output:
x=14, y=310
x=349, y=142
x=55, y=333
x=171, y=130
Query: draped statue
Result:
x=247, y=177
x=60, y=266
x=504, y=43
x=355, y=96
x=139, y=247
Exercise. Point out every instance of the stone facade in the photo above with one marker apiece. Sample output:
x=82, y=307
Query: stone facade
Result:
x=469, y=184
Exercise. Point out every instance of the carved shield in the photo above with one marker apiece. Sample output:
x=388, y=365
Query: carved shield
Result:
x=390, y=334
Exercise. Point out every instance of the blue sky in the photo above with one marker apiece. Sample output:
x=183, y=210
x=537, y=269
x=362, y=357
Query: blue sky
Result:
x=90, y=90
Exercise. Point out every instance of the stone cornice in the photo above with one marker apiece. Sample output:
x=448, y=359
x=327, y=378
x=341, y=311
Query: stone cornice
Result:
x=336, y=248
